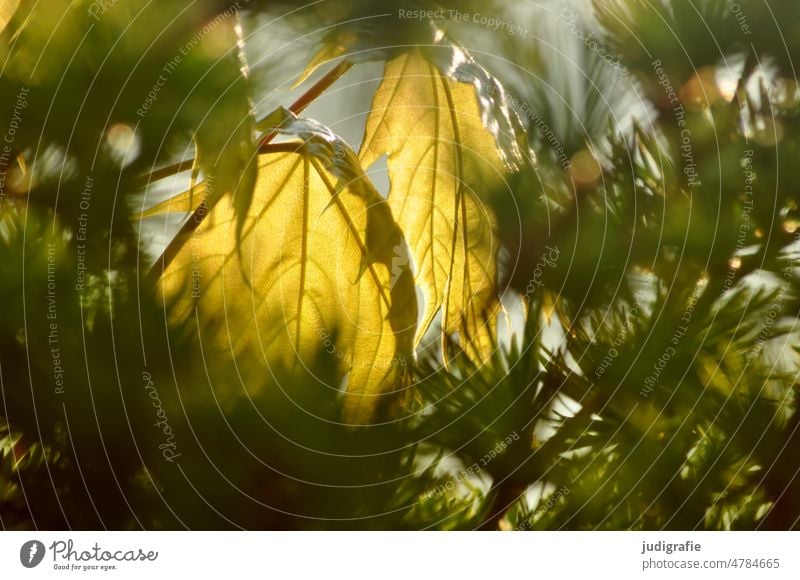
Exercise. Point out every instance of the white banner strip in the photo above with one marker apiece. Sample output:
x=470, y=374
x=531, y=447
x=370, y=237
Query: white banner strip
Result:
x=401, y=555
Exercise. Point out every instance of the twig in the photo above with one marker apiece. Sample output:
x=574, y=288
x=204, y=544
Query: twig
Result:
x=505, y=494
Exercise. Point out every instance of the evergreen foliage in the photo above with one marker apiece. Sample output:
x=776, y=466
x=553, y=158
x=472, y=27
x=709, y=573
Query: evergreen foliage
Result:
x=598, y=206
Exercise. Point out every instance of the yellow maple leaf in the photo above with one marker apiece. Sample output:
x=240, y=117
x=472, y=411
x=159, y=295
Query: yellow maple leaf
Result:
x=314, y=270
x=440, y=157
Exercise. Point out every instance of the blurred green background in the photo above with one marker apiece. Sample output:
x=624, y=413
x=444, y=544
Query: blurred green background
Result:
x=644, y=377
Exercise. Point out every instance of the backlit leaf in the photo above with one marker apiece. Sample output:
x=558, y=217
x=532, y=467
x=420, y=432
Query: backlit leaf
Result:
x=441, y=160
x=315, y=269
x=7, y=10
